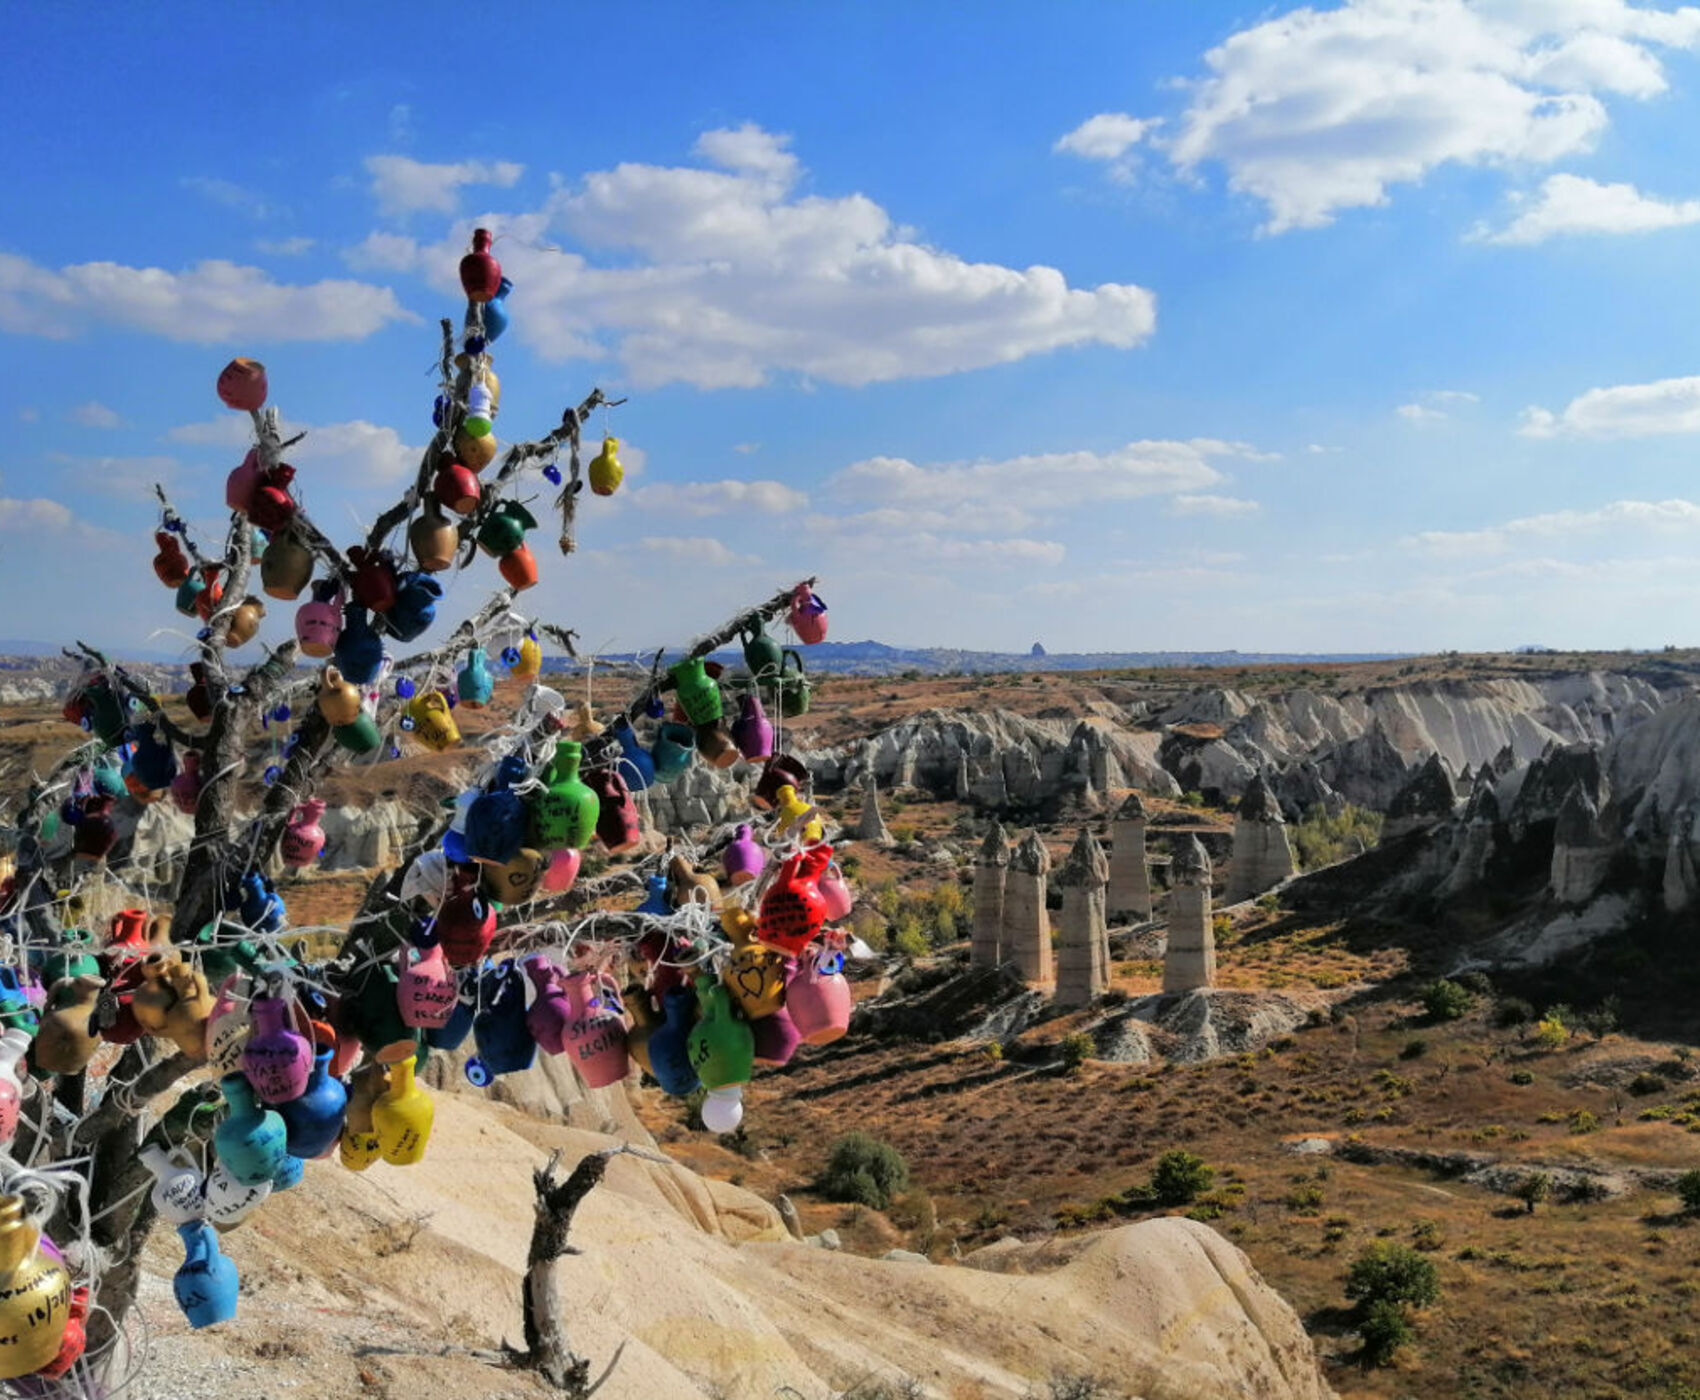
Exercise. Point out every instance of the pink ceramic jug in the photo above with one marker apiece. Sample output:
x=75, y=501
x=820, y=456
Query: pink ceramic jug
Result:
x=596, y=1032
x=808, y=615
x=425, y=987
x=835, y=891
x=818, y=1003
x=547, y=1017
x=278, y=1060
x=304, y=838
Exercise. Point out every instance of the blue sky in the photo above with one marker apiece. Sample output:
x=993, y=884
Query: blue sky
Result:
x=1120, y=327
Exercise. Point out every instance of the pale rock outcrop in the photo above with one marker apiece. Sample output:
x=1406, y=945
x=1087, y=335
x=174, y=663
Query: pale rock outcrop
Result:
x=1682, y=871
x=991, y=868
x=1473, y=844
x=1424, y=803
x=1262, y=857
x=1083, y=967
x=1130, y=880
x=700, y=797
x=1189, y=962
x=1025, y=933
x=1581, y=850
x=871, y=826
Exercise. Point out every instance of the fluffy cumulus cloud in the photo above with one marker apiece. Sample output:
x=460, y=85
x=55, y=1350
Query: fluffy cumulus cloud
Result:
x=341, y=453
x=1321, y=110
x=1108, y=137
x=719, y=497
x=1634, y=519
x=402, y=185
x=214, y=301
x=95, y=415
x=702, y=550
x=37, y=513
x=721, y=274
x=1571, y=204
x=1622, y=411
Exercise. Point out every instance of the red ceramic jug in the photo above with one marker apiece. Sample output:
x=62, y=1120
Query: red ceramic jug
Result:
x=243, y=481
x=466, y=923
x=480, y=273
x=242, y=384
x=456, y=488
x=272, y=507
x=808, y=615
x=519, y=568
x=618, y=826
x=171, y=565
x=186, y=786
x=792, y=910
x=374, y=583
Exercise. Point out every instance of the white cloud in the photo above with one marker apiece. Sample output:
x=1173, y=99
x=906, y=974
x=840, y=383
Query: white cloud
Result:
x=1636, y=517
x=385, y=252
x=402, y=185
x=128, y=478
x=723, y=276
x=1570, y=204
x=699, y=549
x=719, y=497
x=1431, y=405
x=1621, y=411
x=1108, y=137
x=1043, y=483
x=230, y=195
x=744, y=449
x=1316, y=111
x=286, y=247
x=214, y=301
x=1221, y=506
x=1418, y=413
x=354, y=450
x=95, y=415
x=36, y=514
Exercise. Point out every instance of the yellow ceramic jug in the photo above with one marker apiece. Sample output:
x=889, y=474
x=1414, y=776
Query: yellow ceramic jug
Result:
x=402, y=1117
x=339, y=700
x=433, y=725
x=35, y=1295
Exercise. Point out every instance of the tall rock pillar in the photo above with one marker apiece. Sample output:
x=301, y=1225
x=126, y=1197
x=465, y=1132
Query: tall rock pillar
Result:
x=1262, y=855
x=990, y=869
x=871, y=827
x=1083, y=970
x=1025, y=936
x=1190, y=962
x=1130, y=882
x=1581, y=850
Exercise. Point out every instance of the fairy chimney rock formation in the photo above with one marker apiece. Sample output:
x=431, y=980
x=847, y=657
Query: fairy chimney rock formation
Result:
x=1423, y=803
x=990, y=869
x=1083, y=969
x=1130, y=882
x=1190, y=960
x=1473, y=847
x=1682, y=875
x=871, y=827
x=1024, y=936
x=1581, y=850
x=1262, y=855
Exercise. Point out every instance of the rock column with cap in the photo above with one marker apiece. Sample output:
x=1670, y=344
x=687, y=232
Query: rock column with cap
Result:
x=1130, y=881
x=990, y=869
x=1262, y=855
x=1190, y=962
x=871, y=827
x=1025, y=933
x=1581, y=850
x=1082, y=966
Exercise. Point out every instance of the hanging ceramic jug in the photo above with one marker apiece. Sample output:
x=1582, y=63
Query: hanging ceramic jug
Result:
x=594, y=1037
x=455, y=488
x=530, y=663
x=178, y=1187
x=743, y=859
x=278, y=1060
x=699, y=696
x=286, y=568
x=228, y=1201
x=474, y=681
x=808, y=615
x=762, y=654
x=655, y=899
x=433, y=723
x=243, y=482
x=474, y=452
x=752, y=731
x=562, y=870
x=504, y=528
x=153, y=759
x=362, y=736
x=402, y=1117
x=312, y=1121
x=426, y=991
x=14, y=1043
x=170, y=565
x=251, y=1142
x=35, y=1295
x=318, y=623
x=505, y=1045
x=452, y=1034
x=189, y=592
x=669, y=1049
x=675, y=746
x=359, y=649
x=258, y=903
x=688, y=885
x=715, y=746
x=496, y=312
x=636, y=765
x=795, y=817
x=358, y=1147
x=65, y=1044
x=373, y=582
x=722, y=1053
x=480, y=273
x=496, y=825
x=550, y=1010
x=781, y=770
x=776, y=1038
x=206, y=1284
x=415, y=608
x=242, y=384
x=466, y=923
x=245, y=621
x=515, y=881
x=818, y=1002
x=605, y=472
x=756, y=975
x=227, y=1026
x=172, y=999
x=794, y=694
x=71, y=1346
x=96, y=833
x=303, y=838
x=566, y=811
x=583, y=725
x=433, y=537
x=339, y=699
x=618, y=826
x=792, y=910
x=835, y=891
x=273, y=507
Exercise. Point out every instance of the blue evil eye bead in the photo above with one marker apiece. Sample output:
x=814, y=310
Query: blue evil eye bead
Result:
x=552, y=474
x=87, y=724
x=395, y=752
x=203, y=634
x=653, y=706
x=265, y=721
x=405, y=688
x=477, y=1073
x=236, y=690
x=281, y=713
x=407, y=723
x=475, y=344
x=135, y=705
x=438, y=409
x=272, y=774
x=510, y=657
x=830, y=964
x=453, y=697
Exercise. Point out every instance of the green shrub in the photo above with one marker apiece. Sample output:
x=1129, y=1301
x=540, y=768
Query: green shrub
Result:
x=1533, y=1189
x=1551, y=1033
x=1512, y=1011
x=1413, y=1049
x=1645, y=1083
x=1076, y=1049
x=1180, y=1177
x=1384, y=1329
x=1445, y=1001
x=1392, y=1273
x=1323, y=840
x=863, y=1170
x=1521, y=1076
x=1688, y=1188
x=909, y=941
